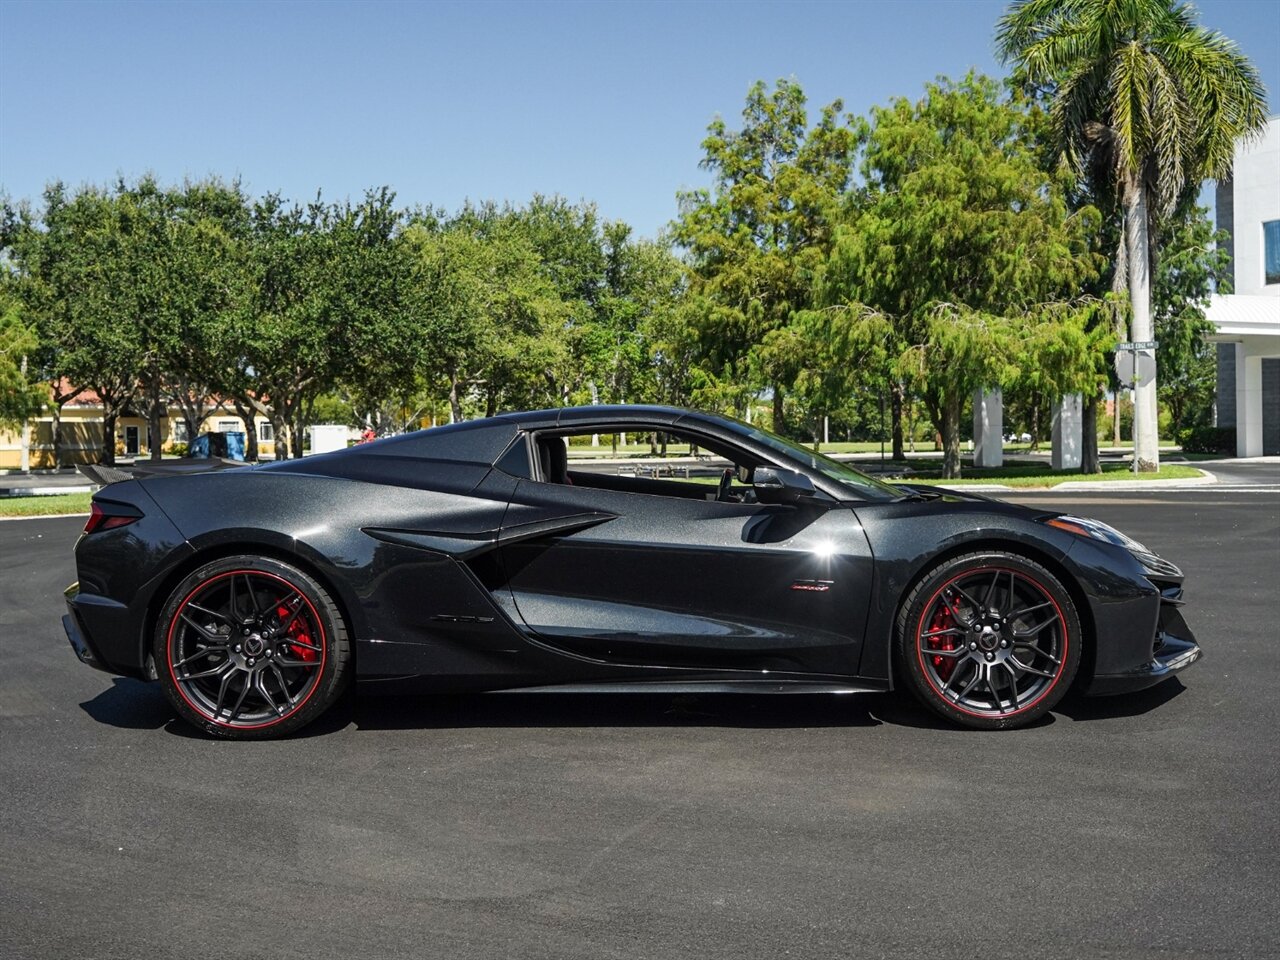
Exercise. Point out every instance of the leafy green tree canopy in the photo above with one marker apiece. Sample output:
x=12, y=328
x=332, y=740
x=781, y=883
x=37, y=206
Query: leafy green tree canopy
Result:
x=1146, y=103
x=756, y=239
x=958, y=237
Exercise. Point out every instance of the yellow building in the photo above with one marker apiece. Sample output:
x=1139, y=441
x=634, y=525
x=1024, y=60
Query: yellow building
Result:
x=32, y=447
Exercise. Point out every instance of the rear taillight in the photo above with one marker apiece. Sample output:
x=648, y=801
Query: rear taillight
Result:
x=109, y=517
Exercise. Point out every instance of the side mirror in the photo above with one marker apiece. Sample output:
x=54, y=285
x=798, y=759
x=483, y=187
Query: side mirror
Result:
x=779, y=485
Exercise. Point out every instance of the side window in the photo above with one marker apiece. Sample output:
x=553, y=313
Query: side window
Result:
x=654, y=462
x=515, y=462
x=1271, y=252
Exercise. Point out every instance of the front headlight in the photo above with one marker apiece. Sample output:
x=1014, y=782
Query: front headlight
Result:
x=1097, y=530
x=1087, y=527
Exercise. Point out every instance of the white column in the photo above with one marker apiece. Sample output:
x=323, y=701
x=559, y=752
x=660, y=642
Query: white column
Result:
x=988, y=428
x=25, y=463
x=1068, y=433
x=1248, y=403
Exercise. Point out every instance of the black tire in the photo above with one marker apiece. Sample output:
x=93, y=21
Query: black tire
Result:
x=250, y=648
x=988, y=640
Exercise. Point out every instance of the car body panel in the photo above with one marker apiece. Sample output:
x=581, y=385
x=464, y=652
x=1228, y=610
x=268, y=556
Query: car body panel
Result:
x=681, y=582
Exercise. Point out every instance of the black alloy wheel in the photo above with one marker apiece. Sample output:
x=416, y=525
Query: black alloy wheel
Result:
x=249, y=647
x=989, y=640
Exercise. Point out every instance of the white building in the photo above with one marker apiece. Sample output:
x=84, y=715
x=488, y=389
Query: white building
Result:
x=1248, y=320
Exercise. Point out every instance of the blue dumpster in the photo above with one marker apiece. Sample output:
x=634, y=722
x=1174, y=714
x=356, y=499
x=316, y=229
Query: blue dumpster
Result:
x=235, y=445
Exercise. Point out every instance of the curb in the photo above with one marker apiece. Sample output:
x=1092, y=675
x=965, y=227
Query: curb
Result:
x=45, y=491
x=44, y=516
x=1076, y=486
x=1200, y=481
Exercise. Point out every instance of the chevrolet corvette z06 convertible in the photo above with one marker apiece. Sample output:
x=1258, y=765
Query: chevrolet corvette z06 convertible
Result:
x=482, y=557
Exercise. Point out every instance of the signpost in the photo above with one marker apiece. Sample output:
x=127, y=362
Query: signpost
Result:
x=1135, y=365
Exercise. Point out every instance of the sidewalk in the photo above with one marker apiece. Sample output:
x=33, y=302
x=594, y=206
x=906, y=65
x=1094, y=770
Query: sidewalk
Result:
x=45, y=483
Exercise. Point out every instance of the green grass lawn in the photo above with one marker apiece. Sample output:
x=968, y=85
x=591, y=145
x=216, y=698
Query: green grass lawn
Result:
x=45, y=506
x=1039, y=477
x=1027, y=475
x=640, y=450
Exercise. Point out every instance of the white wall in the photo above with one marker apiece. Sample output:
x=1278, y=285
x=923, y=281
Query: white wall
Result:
x=1256, y=188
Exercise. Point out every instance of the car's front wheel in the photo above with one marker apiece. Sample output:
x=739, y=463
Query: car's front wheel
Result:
x=989, y=640
x=249, y=647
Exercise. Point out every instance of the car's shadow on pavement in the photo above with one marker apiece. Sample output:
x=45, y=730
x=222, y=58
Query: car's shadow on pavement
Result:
x=1077, y=707
x=135, y=705
x=130, y=704
x=611, y=710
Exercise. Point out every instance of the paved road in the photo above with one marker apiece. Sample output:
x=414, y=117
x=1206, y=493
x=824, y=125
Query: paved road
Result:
x=1262, y=472
x=593, y=827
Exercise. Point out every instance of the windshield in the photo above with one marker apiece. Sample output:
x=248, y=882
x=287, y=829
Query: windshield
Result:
x=856, y=482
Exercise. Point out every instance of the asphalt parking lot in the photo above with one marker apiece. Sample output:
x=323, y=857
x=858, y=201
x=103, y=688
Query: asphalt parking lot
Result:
x=642, y=827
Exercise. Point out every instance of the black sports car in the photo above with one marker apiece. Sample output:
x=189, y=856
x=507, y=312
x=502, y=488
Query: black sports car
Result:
x=473, y=557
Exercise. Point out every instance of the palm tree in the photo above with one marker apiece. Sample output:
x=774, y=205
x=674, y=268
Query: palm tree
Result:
x=1144, y=92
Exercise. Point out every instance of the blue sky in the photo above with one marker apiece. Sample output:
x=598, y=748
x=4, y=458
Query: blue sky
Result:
x=443, y=102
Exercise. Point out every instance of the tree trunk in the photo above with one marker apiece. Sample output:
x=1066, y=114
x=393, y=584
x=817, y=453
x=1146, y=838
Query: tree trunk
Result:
x=1089, y=462
x=280, y=427
x=1119, y=287
x=298, y=433
x=779, y=416
x=109, y=416
x=1146, y=449
x=895, y=418
x=1115, y=419
x=246, y=414
x=951, y=436
x=57, y=434
x=455, y=406
x=191, y=420
x=154, y=442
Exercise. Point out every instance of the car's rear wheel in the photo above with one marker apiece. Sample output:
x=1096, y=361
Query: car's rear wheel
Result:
x=249, y=647
x=989, y=640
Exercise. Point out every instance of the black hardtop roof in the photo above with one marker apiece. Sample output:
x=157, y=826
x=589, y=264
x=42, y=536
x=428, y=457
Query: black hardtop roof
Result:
x=599, y=412
x=484, y=440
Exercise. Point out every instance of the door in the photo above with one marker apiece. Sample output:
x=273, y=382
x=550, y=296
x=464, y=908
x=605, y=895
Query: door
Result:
x=131, y=441
x=646, y=579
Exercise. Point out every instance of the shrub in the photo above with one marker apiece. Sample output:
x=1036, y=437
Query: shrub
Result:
x=1208, y=440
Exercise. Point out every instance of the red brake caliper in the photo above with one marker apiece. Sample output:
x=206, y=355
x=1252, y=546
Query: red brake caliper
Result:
x=943, y=619
x=297, y=631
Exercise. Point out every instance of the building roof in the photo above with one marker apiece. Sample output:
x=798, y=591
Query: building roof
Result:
x=1238, y=315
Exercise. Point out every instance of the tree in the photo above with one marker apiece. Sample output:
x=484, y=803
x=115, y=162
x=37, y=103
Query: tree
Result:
x=636, y=308
x=78, y=285
x=208, y=279
x=21, y=397
x=1144, y=92
x=957, y=238
x=491, y=316
x=757, y=238
x=330, y=299
x=1192, y=264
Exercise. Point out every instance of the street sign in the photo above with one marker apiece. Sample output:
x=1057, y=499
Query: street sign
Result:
x=1129, y=362
x=1137, y=345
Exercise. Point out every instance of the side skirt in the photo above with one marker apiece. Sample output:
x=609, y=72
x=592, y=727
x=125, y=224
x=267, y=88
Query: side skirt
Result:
x=711, y=686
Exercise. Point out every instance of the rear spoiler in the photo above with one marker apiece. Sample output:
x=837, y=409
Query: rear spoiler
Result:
x=104, y=475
